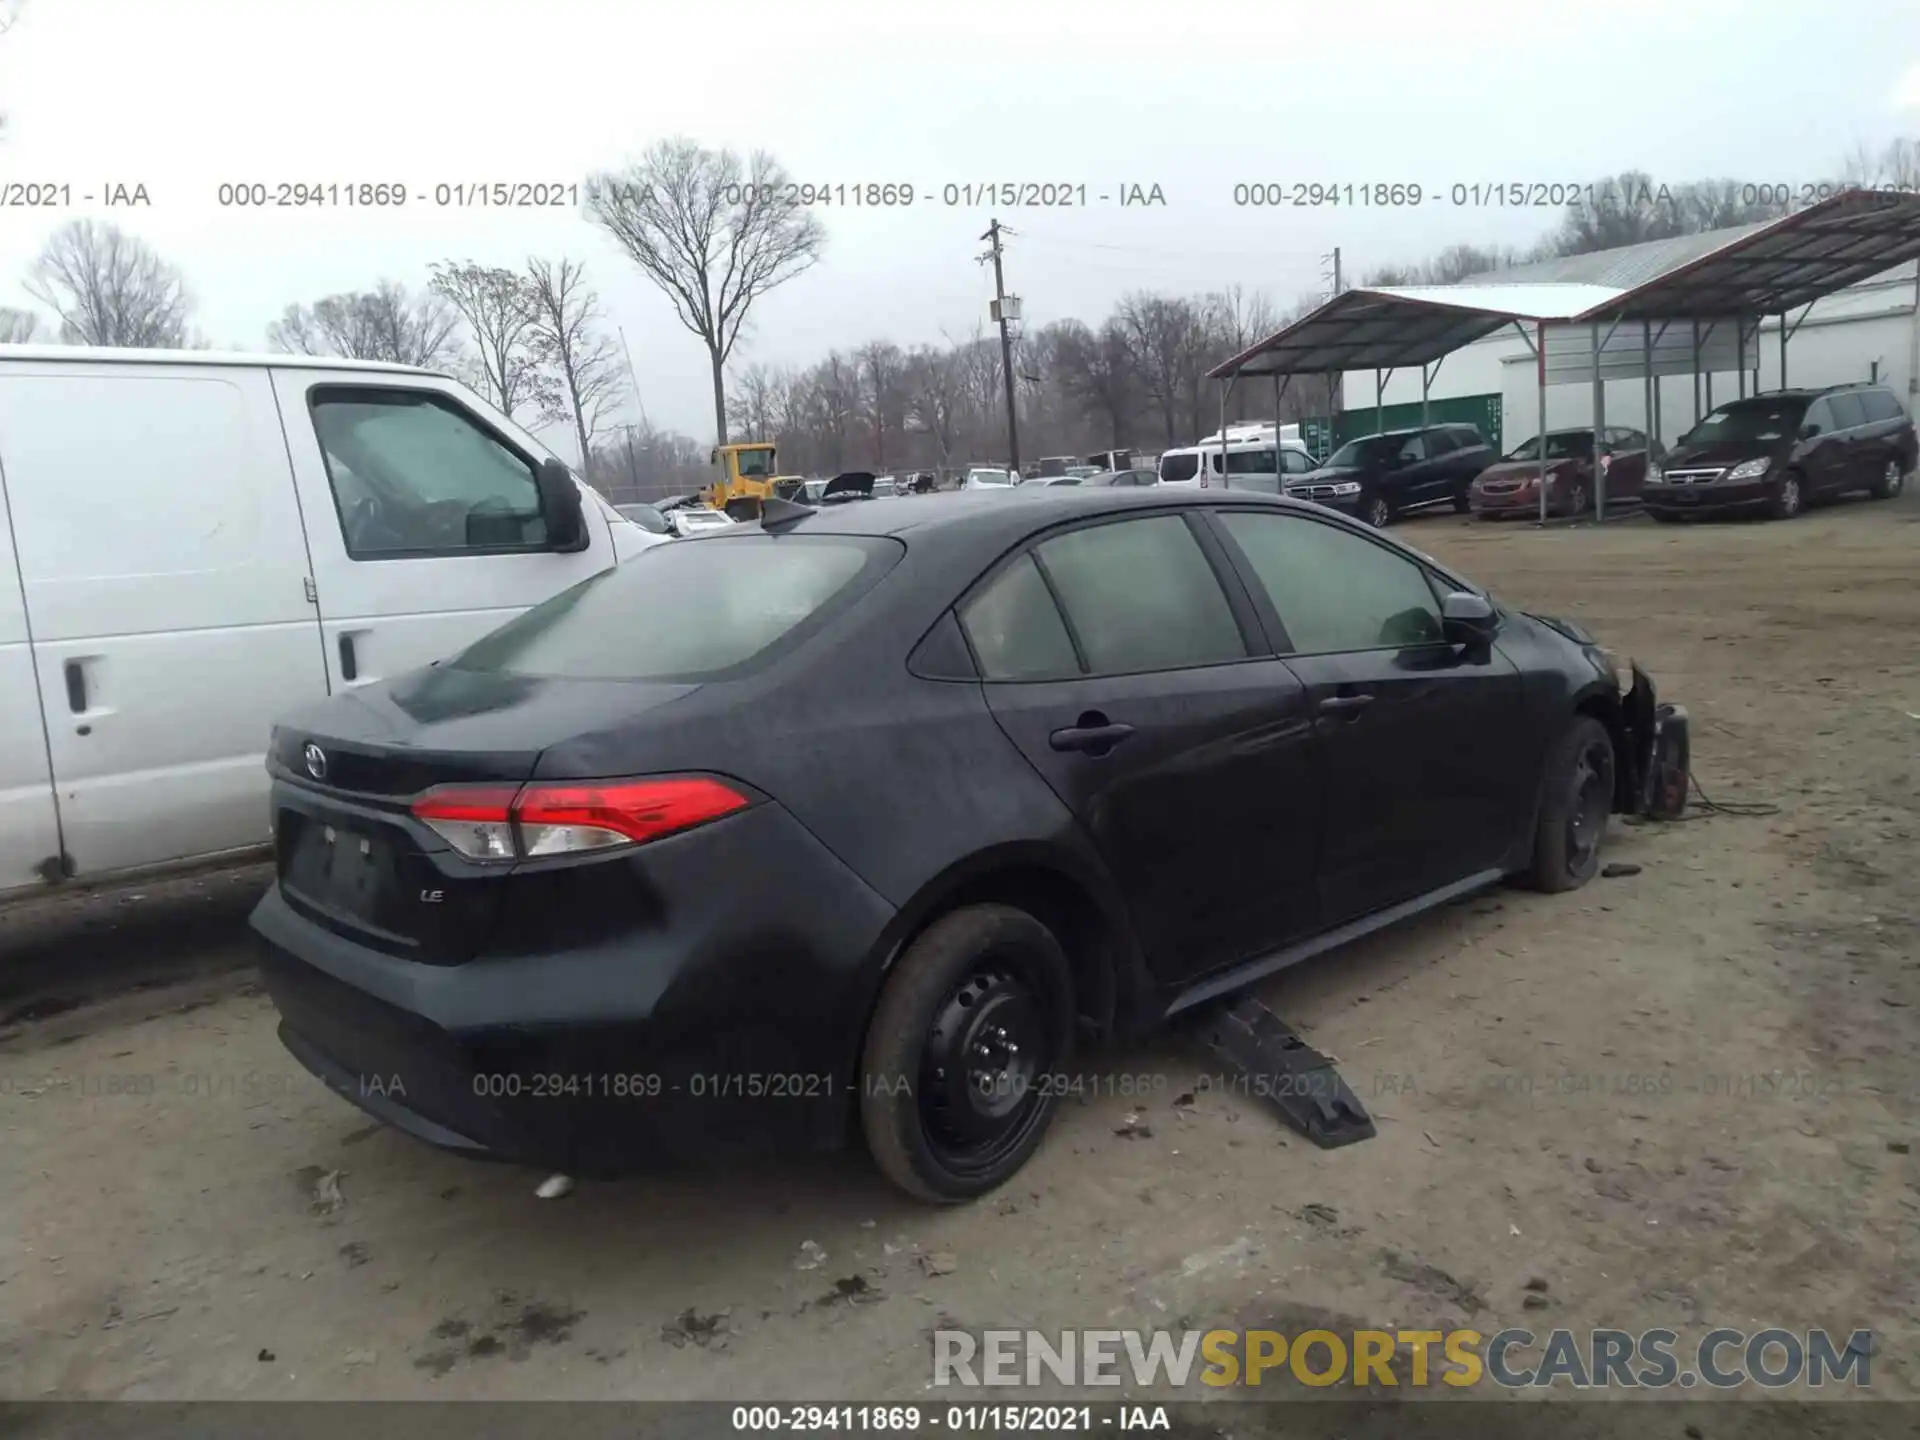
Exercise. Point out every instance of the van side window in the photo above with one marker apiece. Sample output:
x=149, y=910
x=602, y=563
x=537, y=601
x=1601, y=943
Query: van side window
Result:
x=1250, y=462
x=414, y=475
x=1847, y=414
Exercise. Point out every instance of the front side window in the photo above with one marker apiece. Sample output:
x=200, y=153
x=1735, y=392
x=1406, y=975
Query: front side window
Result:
x=1141, y=596
x=1441, y=442
x=413, y=474
x=1296, y=462
x=1250, y=462
x=1413, y=451
x=1334, y=590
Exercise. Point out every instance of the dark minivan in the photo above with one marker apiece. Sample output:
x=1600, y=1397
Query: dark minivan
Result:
x=1380, y=477
x=1777, y=451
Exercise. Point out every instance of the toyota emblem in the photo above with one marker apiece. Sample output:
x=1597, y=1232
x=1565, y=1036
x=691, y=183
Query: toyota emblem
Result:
x=316, y=759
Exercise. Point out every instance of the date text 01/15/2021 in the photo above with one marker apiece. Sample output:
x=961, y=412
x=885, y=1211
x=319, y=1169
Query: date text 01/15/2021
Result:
x=957, y=1419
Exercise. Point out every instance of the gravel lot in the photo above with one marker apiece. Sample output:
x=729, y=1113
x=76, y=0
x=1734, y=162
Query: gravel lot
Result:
x=1682, y=1097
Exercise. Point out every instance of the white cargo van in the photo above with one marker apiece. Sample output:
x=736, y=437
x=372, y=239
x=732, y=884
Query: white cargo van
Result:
x=192, y=544
x=1256, y=457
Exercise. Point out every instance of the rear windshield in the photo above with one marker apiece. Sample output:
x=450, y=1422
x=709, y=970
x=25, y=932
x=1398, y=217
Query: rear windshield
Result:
x=1176, y=468
x=688, y=611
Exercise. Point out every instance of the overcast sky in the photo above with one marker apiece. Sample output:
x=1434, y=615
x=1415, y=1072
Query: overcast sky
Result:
x=183, y=95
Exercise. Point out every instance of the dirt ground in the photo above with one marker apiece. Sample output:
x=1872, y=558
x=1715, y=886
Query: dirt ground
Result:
x=1683, y=1098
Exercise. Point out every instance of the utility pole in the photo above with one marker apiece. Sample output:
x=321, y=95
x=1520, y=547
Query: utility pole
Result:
x=1000, y=313
x=1333, y=378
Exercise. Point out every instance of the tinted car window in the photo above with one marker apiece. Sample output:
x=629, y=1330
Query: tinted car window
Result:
x=1763, y=419
x=1413, y=449
x=1179, y=467
x=1441, y=442
x=1846, y=411
x=1467, y=435
x=1881, y=405
x=1015, y=628
x=1820, y=417
x=1142, y=596
x=1250, y=462
x=1295, y=462
x=1335, y=590
x=633, y=622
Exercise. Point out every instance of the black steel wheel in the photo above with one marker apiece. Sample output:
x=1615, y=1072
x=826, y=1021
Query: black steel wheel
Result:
x=974, y=1025
x=1576, y=800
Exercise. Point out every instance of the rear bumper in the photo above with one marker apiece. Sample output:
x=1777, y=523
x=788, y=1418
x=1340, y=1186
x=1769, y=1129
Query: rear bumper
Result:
x=724, y=1016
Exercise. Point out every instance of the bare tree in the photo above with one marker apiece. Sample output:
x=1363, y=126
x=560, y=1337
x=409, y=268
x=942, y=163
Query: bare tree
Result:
x=385, y=323
x=1098, y=372
x=712, y=233
x=1897, y=167
x=503, y=316
x=585, y=367
x=756, y=403
x=882, y=369
x=17, y=327
x=110, y=288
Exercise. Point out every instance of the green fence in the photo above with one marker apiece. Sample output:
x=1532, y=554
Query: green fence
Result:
x=1479, y=410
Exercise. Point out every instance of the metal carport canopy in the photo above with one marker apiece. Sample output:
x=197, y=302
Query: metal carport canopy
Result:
x=1392, y=326
x=1771, y=269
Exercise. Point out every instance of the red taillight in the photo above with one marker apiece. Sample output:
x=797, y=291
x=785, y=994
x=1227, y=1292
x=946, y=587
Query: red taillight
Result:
x=491, y=822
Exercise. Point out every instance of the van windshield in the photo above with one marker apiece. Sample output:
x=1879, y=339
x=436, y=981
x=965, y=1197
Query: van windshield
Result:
x=634, y=622
x=1750, y=420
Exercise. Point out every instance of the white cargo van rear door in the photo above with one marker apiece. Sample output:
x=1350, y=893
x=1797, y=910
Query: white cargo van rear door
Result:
x=29, y=828
x=165, y=578
x=423, y=517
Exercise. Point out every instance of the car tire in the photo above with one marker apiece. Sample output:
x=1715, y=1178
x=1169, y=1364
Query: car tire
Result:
x=1577, y=502
x=981, y=976
x=1377, y=511
x=1575, y=800
x=1789, y=497
x=1665, y=517
x=1462, y=502
x=1890, y=482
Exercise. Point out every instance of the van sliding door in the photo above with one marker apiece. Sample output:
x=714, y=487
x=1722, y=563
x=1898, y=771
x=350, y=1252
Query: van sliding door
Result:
x=29, y=826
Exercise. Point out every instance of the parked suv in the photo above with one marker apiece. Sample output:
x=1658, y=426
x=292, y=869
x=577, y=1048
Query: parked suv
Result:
x=1775, y=452
x=1380, y=477
x=1511, y=486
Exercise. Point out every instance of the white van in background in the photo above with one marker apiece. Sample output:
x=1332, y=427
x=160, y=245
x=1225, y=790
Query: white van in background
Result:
x=1248, y=457
x=192, y=544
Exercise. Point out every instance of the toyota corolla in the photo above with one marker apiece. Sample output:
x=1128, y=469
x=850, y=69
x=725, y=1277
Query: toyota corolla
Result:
x=848, y=824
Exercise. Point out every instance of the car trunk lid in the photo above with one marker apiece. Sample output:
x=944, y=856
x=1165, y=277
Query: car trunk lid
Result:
x=349, y=851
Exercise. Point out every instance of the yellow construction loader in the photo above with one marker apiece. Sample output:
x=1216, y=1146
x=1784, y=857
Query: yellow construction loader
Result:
x=746, y=478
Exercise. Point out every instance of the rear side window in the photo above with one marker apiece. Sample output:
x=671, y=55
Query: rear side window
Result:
x=1847, y=412
x=1141, y=596
x=1015, y=628
x=1441, y=442
x=689, y=611
x=1881, y=405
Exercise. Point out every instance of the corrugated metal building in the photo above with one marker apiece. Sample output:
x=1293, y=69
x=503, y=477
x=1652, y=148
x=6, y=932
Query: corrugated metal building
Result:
x=1868, y=331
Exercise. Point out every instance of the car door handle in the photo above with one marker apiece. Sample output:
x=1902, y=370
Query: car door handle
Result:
x=1344, y=704
x=1094, y=735
x=349, y=662
x=76, y=687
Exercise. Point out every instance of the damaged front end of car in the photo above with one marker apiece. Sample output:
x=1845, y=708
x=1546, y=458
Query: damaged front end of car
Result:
x=1656, y=770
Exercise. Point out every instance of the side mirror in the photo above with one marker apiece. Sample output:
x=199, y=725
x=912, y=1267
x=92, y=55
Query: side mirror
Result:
x=560, y=507
x=1466, y=617
x=1809, y=430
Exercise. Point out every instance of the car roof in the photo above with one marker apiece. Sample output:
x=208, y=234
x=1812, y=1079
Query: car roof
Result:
x=969, y=515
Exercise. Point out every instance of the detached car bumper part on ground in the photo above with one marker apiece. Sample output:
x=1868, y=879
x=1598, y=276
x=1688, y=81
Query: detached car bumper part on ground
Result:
x=568, y=899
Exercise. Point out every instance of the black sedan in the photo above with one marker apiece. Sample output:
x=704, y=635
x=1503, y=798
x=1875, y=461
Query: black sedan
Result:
x=847, y=821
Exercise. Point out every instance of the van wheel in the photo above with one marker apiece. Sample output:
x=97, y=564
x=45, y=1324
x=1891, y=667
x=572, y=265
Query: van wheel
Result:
x=1889, y=483
x=1576, y=799
x=1788, y=499
x=975, y=1018
x=1377, y=512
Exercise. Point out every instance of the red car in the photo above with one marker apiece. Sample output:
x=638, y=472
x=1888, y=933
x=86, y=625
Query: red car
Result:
x=1512, y=486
